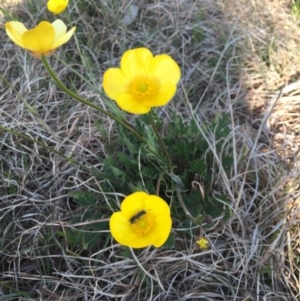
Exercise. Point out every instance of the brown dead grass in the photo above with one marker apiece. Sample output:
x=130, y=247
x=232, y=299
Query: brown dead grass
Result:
x=270, y=75
x=8, y=5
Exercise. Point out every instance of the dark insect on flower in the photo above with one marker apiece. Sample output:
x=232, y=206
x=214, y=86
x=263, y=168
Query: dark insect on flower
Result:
x=137, y=216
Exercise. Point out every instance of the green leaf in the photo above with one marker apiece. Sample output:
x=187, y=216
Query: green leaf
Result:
x=228, y=214
x=83, y=198
x=198, y=166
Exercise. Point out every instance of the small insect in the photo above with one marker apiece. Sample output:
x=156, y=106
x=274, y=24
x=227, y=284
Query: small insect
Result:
x=137, y=216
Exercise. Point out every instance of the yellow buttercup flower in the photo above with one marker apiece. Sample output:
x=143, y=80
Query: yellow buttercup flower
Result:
x=57, y=6
x=202, y=243
x=143, y=81
x=41, y=40
x=144, y=220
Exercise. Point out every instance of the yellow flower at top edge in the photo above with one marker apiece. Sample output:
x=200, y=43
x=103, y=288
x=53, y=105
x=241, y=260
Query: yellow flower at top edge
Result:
x=41, y=40
x=144, y=220
x=57, y=6
x=143, y=81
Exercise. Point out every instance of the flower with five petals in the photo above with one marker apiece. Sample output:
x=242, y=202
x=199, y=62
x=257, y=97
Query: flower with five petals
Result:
x=144, y=220
x=143, y=81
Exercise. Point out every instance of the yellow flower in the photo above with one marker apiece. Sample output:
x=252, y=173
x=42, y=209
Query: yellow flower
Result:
x=144, y=220
x=202, y=243
x=41, y=40
x=143, y=81
x=57, y=6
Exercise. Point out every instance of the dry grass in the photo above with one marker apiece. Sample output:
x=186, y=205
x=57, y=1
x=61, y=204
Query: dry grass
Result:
x=238, y=57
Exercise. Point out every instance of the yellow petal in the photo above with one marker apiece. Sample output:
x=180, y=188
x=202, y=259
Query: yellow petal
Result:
x=120, y=226
x=61, y=37
x=163, y=222
x=60, y=29
x=15, y=31
x=164, y=95
x=115, y=83
x=136, y=241
x=162, y=228
x=165, y=69
x=129, y=104
x=133, y=203
x=39, y=39
x=135, y=62
x=156, y=205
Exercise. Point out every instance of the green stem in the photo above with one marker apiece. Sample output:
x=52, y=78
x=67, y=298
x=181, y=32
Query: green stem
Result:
x=95, y=88
x=7, y=14
x=168, y=160
x=88, y=103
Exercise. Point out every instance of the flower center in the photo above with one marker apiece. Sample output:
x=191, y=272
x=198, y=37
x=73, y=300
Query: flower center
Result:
x=142, y=224
x=143, y=88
